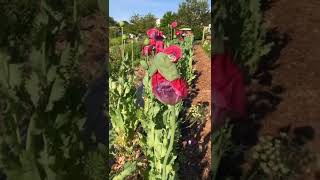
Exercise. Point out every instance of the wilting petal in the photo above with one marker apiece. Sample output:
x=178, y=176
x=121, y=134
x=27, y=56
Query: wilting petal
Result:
x=174, y=51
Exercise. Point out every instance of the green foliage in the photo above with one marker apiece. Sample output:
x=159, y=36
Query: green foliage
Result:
x=248, y=41
x=140, y=24
x=221, y=146
x=207, y=47
x=166, y=20
x=44, y=115
x=194, y=14
x=197, y=114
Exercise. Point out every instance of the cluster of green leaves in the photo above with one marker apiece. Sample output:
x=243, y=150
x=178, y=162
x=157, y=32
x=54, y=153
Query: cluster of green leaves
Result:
x=242, y=23
x=207, y=47
x=41, y=131
x=221, y=146
x=197, y=114
x=185, y=65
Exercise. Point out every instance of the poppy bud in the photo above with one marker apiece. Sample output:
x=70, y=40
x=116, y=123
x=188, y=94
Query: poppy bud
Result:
x=121, y=23
x=146, y=41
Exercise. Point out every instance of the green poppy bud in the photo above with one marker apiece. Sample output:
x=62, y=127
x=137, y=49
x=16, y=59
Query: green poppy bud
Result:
x=146, y=41
x=121, y=23
x=124, y=37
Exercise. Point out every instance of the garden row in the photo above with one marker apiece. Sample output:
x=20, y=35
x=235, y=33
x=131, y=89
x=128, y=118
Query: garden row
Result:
x=144, y=127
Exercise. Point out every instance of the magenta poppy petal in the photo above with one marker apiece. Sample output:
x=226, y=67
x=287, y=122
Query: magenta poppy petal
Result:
x=175, y=51
x=152, y=33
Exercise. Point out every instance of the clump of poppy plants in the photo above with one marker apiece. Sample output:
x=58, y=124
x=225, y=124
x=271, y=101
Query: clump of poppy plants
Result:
x=167, y=85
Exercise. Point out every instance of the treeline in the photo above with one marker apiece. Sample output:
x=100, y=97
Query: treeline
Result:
x=191, y=13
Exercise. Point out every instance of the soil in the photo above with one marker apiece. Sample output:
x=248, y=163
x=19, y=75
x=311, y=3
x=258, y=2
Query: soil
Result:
x=298, y=72
x=198, y=154
x=286, y=94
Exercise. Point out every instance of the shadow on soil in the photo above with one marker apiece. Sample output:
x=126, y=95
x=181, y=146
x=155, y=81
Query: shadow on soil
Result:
x=263, y=95
x=192, y=152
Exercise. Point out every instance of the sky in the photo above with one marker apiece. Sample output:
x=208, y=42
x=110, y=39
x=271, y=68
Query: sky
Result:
x=122, y=10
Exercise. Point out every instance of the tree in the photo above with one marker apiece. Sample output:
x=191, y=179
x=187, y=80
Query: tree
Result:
x=112, y=22
x=195, y=14
x=140, y=24
x=167, y=18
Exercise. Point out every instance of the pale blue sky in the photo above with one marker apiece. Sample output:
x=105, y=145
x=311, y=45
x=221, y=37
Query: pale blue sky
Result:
x=123, y=9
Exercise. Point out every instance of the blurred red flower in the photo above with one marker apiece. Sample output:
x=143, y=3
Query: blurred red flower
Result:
x=175, y=51
x=159, y=46
x=174, y=24
x=147, y=50
x=228, y=88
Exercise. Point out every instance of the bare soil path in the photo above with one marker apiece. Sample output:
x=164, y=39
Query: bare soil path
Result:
x=200, y=153
x=292, y=95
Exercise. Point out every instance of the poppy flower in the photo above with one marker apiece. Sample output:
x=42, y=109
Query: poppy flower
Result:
x=174, y=24
x=228, y=88
x=147, y=50
x=152, y=42
x=159, y=46
x=168, y=92
x=153, y=33
x=178, y=33
x=174, y=51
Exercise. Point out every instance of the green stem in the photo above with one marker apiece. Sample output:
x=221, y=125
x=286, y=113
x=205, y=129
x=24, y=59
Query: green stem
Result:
x=172, y=133
x=122, y=53
x=132, y=53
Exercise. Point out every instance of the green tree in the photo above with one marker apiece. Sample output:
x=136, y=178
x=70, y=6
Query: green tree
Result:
x=112, y=22
x=195, y=14
x=167, y=18
x=140, y=24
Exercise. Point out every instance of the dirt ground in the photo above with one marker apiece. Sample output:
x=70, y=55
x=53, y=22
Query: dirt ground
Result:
x=199, y=155
x=289, y=90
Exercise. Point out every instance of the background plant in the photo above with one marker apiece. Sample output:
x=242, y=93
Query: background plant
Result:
x=279, y=157
x=249, y=41
x=43, y=99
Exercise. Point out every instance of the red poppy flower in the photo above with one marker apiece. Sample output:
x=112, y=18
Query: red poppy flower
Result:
x=159, y=46
x=152, y=42
x=174, y=24
x=175, y=51
x=147, y=50
x=178, y=33
x=160, y=34
x=153, y=33
x=168, y=92
x=228, y=88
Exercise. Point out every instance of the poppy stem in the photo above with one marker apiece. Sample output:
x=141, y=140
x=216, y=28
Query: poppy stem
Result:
x=132, y=53
x=172, y=119
x=122, y=53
